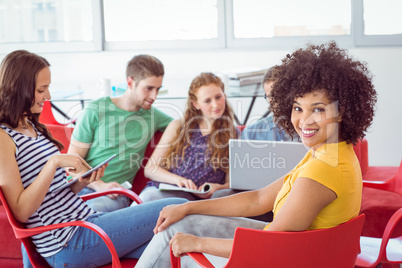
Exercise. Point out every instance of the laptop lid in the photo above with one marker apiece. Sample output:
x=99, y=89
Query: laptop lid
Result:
x=254, y=164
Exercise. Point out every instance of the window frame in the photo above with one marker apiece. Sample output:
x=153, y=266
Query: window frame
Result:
x=225, y=39
x=362, y=40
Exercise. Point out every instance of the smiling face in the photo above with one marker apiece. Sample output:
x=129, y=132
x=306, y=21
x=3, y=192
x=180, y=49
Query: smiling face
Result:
x=316, y=119
x=41, y=90
x=210, y=101
x=144, y=93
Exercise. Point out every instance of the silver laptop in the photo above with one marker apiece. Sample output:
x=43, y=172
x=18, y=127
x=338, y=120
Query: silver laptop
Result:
x=255, y=164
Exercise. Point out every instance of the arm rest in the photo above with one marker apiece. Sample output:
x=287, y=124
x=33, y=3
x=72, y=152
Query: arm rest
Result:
x=381, y=185
x=130, y=194
x=391, y=225
x=199, y=258
x=393, y=184
x=23, y=233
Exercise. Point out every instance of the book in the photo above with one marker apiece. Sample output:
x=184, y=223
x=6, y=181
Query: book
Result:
x=170, y=187
x=245, y=80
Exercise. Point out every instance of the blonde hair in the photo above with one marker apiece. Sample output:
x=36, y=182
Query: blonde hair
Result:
x=222, y=128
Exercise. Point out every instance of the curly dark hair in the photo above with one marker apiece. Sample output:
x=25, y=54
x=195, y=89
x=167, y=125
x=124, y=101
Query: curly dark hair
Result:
x=325, y=67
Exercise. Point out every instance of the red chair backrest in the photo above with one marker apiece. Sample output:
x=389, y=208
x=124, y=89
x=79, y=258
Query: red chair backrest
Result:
x=62, y=134
x=47, y=117
x=331, y=248
x=361, y=151
x=140, y=180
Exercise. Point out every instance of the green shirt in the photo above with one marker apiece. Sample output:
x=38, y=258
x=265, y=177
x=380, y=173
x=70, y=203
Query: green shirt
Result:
x=111, y=130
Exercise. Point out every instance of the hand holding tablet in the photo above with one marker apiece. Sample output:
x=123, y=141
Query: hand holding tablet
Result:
x=97, y=167
x=71, y=181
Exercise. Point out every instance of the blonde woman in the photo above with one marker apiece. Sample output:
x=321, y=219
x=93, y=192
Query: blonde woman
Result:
x=194, y=151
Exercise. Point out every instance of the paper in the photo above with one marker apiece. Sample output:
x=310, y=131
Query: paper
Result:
x=170, y=187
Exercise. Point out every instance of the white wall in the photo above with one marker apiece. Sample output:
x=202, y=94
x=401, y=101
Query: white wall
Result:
x=385, y=144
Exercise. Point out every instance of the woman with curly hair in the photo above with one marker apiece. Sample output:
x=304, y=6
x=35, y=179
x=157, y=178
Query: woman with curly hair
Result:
x=328, y=99
x=194, y=151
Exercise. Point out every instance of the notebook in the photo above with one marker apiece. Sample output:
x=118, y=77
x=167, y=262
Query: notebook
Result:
x=255, y=164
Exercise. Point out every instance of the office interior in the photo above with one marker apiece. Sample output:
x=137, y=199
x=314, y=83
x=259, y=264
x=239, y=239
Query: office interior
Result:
x=83, y=70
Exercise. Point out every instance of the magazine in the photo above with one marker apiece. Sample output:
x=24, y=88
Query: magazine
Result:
x=170, y=187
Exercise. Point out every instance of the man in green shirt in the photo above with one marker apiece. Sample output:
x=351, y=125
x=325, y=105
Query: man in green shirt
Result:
x=123, y=125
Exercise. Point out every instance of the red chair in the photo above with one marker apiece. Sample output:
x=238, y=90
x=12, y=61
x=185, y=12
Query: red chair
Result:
x=388, y=248
x=330, y=248
x=62, y=134
x=140, y=180
x=382, y=250
x=393, y=184
x=47, y=116
x=377, y=204
x=37, y=260
x=382, y=197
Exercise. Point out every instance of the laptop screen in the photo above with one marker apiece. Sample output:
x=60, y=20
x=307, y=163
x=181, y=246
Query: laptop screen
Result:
x=255, y=164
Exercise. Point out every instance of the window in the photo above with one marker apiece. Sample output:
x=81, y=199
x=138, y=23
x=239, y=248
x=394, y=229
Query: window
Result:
x=379, y=22
x=288, y=23
x=178, y=23
x=96, y=25
x=48, y=24
x=272, y=18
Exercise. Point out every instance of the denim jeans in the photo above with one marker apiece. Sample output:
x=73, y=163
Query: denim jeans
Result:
x=130, y=230
x=157, y=254
x=105, y=203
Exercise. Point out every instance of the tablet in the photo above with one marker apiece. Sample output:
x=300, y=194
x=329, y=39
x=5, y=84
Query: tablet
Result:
x=71, y=180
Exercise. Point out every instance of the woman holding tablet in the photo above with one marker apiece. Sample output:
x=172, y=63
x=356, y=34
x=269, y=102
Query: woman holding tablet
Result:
x=32, y=168
x=328, y=99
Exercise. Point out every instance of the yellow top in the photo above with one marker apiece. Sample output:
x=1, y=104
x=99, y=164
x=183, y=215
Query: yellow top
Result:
x=335, y=166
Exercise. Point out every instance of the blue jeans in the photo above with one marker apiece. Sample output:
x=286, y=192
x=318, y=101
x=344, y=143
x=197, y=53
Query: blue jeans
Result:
x=105, y=203
x=130, y=230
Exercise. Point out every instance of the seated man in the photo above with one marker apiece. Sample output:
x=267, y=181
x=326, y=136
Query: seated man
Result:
x=265, y=128
x=123, y=125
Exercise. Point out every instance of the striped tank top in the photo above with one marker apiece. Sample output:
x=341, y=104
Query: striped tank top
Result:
x=58, y=206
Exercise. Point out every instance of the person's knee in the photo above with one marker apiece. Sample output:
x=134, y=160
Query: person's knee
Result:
x=171, y=201
x=223, y=193
x=106, y=204
x=151, y=195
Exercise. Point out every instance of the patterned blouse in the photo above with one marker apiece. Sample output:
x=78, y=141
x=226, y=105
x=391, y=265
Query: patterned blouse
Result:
x=196, y=165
